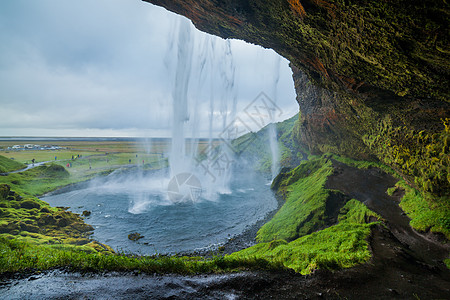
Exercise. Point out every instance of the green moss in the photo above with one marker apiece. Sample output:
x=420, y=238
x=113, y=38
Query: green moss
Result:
x=390, y=191
x=356, y=212
x=425, y=215
x=422, y=157
x=447, y=262
x=340, y=246
x=22, y=254
x=32, y=218
x=305, y=202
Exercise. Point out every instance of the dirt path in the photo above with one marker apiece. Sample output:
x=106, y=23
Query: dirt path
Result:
x=369, y=186
x=28, y=167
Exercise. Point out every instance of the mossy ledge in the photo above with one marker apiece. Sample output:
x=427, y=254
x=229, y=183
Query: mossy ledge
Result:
x=28, y=219
x=316, y=228
x=323, y=228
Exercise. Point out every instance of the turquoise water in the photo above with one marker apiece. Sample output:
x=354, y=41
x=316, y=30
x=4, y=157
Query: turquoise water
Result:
x=121, y=204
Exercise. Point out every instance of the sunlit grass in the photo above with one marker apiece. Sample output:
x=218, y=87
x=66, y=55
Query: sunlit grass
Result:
x=18, y=255
x=340, y=246
x=305, y=202
x=8, y=165
x=425, y=215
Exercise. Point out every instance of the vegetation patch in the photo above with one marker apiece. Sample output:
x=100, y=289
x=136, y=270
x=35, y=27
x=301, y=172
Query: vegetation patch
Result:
x=254, y=147
x=423, y=158
x=425, y=215
x=306, y=199
x=28, y=218
x=9, y=165
x=316, y=228
x=20, y=255
x=340, y=246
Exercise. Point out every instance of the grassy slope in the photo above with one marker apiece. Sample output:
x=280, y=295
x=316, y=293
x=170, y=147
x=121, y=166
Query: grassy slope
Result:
x=8, y=165
x=40, y=180
x=340, y=246
x=305, y=202
x=290, y=237
x=22, y=255
x=425, y=215
x=255, y=146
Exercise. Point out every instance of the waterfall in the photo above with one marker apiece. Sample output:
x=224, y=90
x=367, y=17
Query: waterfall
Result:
x=177, y=159
x=214, y=71
x=204, y=92
x=273, y=140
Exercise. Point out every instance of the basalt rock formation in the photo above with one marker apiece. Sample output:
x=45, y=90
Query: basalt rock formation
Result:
x=371, y=77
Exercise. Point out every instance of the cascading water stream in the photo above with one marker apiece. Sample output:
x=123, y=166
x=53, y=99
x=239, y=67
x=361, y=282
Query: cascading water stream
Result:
x=273, y=140
x=214, y=170
x=213, y=71
x=177, y=159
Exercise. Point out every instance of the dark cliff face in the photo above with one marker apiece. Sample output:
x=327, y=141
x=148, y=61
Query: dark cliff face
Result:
x=393, y=45
x=371, y=77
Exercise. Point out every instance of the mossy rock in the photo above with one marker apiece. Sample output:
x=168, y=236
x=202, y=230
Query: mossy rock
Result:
x=45, y=210
x=62, y=222
x=46, y=219
x=79, y=242
x=10, y=228
x=29, y=228
x=86, y=213
x=99, y=247
x=135, y=236
x=4, y=191
x=82, y=227
x=30, y=204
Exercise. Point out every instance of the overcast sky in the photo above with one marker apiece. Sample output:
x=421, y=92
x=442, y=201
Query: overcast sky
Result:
x=108, y=68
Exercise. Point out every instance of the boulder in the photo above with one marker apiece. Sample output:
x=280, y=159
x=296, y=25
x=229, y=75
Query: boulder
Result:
x=135, y=236
x=4, y=191
x=86, y=213
x=29, y=227
x=30, y=204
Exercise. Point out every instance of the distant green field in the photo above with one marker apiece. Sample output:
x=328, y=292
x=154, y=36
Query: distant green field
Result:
x=129, y=149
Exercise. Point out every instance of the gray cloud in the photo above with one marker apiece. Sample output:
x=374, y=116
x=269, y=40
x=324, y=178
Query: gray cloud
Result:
x=106, y=67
